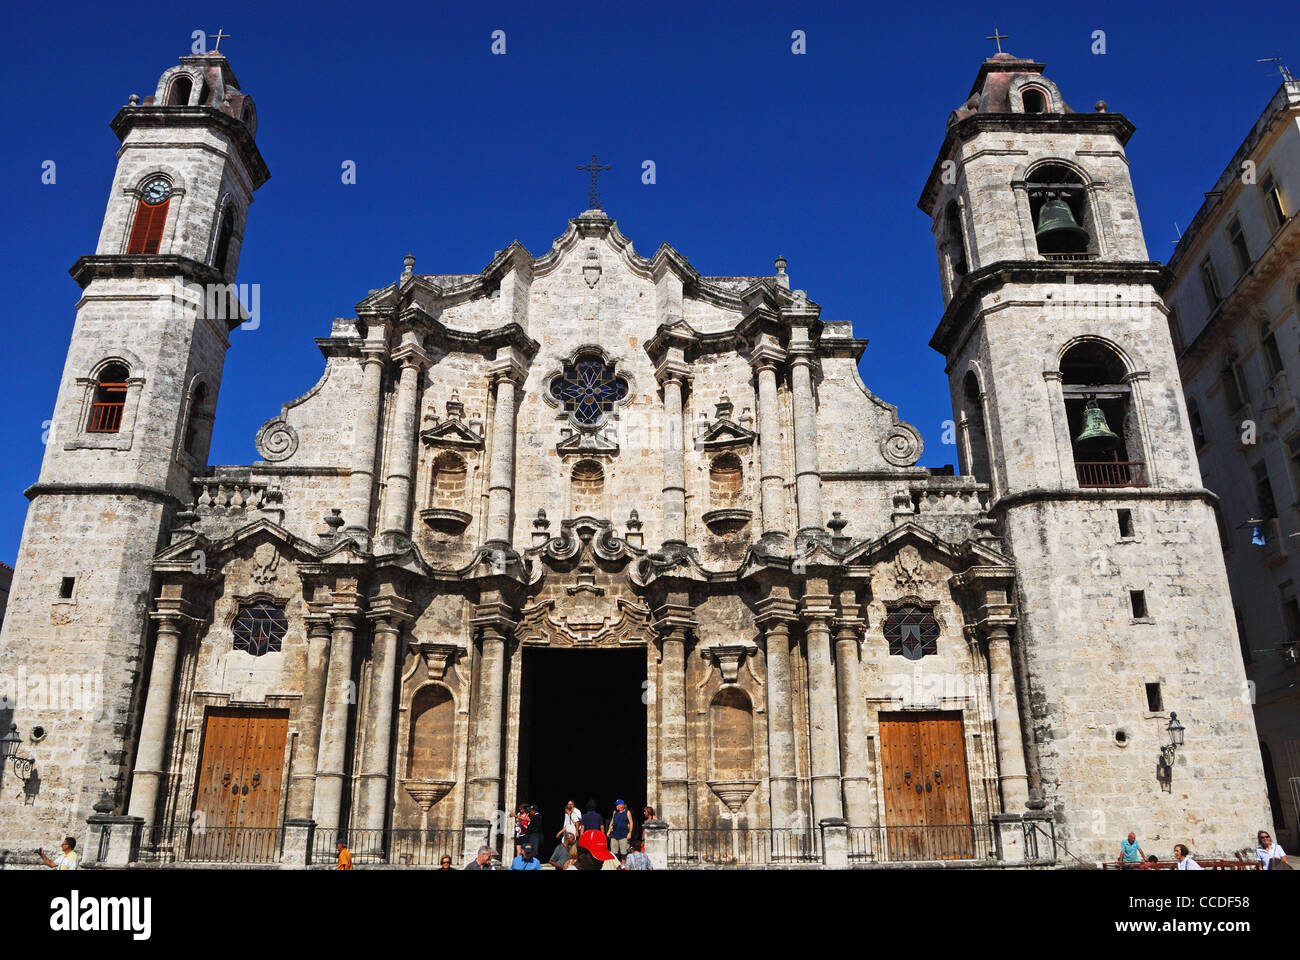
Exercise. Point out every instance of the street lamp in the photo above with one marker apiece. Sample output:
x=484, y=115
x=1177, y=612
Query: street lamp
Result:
x=1176, y=734
x=9, y=745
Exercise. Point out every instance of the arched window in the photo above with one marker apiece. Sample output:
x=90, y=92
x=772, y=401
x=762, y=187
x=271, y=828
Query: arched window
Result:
x=1062, y=224
x=198, y=413
x=224, y=233
x=1102, y=422
x=431, y=747
x=1033, y=100
x=588, y=488
x=178, y=93
x=150, y=216
x=956, y=239
x=977, y=441
x=108, y=401
x=912, y=632
x=726, y=481
x=449, y=481
x=259, y=628
x=731, y=734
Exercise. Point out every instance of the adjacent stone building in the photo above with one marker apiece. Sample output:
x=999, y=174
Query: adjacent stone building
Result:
x=597, y=496
x=1235, y=326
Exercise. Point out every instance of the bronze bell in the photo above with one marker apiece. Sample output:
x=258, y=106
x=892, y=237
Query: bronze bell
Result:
x=1057, y=230
x=1096, y=435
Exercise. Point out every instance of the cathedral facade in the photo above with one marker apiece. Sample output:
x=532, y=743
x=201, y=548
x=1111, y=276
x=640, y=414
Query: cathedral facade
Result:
x=592, y=526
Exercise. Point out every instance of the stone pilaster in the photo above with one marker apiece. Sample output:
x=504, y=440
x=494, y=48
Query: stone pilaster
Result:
x=858, y=807
x=366, y=434
x=675, y=625
x=155, y=725
x=656, y=843
x=396, y=528
x=772, y=481
x=775, y=618
x=387, y=615
x=495, y=627
x=327, y=805
x=808, y=481
x=674, y=502
x=1013, y=780
x=823, y=719
x=506, y=375
x=302, y=776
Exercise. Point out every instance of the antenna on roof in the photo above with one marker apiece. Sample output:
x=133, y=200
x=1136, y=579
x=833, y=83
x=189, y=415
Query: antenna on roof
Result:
x=1281, y=67
x=1178, y=230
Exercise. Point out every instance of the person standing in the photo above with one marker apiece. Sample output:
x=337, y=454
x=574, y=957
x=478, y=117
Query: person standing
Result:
x=1184, y=858
x=620, y=830
x=1130, y=853
x=69, y=859
x=344, y=861
x=1270, y=855
x=572, y=821
x=593, y=851
x=638, y=859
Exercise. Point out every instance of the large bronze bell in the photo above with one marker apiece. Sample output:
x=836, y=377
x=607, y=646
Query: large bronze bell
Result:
x=1096, y=436
x=1057, y=230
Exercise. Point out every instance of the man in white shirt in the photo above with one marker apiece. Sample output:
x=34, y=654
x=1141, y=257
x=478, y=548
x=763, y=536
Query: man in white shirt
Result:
x=1269, y=851
x=69, y=859
x=572, y=821
x=1184, y=858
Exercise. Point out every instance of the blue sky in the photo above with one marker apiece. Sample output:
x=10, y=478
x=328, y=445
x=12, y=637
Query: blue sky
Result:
x=758, y=152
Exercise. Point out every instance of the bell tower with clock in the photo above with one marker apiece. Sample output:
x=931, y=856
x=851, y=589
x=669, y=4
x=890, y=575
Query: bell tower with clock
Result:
x=1068, y=405
x=130, y=429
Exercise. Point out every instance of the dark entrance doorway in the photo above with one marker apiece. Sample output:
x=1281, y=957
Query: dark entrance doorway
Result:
x=582, y=733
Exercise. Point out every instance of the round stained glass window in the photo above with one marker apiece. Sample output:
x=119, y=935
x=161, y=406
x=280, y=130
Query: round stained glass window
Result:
x=912, y=632
x=259, y=628
x=588, y=388
x=156, y=191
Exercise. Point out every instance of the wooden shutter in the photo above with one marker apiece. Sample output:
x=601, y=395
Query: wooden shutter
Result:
x=146, y=234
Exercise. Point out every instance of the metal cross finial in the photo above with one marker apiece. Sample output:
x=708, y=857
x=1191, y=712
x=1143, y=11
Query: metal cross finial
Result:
x=216, y=47
x=593, y=192
x=998, y=37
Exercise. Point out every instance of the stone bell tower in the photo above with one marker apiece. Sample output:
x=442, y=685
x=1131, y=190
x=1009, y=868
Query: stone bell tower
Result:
x=1067, y=402
x=129, y=430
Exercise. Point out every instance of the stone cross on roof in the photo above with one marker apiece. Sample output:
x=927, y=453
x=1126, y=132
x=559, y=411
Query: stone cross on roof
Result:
x=998, y=38
x=216, y=47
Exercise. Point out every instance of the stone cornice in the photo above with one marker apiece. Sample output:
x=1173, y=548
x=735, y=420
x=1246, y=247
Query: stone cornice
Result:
x=157, y=494
x=957, y=317
x=1116, y=124
x=1041, y=495
x=142, y=266
x=132, y=116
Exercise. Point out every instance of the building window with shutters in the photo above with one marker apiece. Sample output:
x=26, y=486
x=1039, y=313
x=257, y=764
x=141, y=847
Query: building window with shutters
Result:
x=1272, y=356
x=1210, y=280
x=150, y=216
x=1194, y=420
x=1234, y=391
x=1274, y=209
x=1240, y=252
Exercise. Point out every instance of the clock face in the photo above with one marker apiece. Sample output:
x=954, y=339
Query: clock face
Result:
x=156, y=191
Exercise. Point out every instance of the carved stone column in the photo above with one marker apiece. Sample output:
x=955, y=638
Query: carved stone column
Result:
x=853, y=735
x=489, y=712
x=775, y=620
x=387, y=616
x=674, y=463
x=1012, y=778
x=365, y=434
x=396, y=527
x=823, y=719
x=155, y=725
x=772, y=482
x=302, y=778
x=506, y=375
x=327, y=806
x=674, y=623
x=808, y=481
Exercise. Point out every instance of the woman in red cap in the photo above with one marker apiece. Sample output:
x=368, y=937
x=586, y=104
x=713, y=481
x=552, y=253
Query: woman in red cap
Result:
x=593, y=849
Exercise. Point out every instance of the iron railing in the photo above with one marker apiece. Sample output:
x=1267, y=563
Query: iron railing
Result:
x=1111, y=473
x=105, y=417
x=959, y=841
x=407, y=848
x=196, y=844
x=1072, y=257
x=728, y=847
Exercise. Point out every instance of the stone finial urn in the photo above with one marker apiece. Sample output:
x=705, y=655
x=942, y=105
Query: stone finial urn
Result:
x=732, y=793
x=428, y=792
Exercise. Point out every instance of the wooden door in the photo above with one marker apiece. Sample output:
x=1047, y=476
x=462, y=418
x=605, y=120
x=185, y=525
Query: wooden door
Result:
x=927, y=795
x=237, y=803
